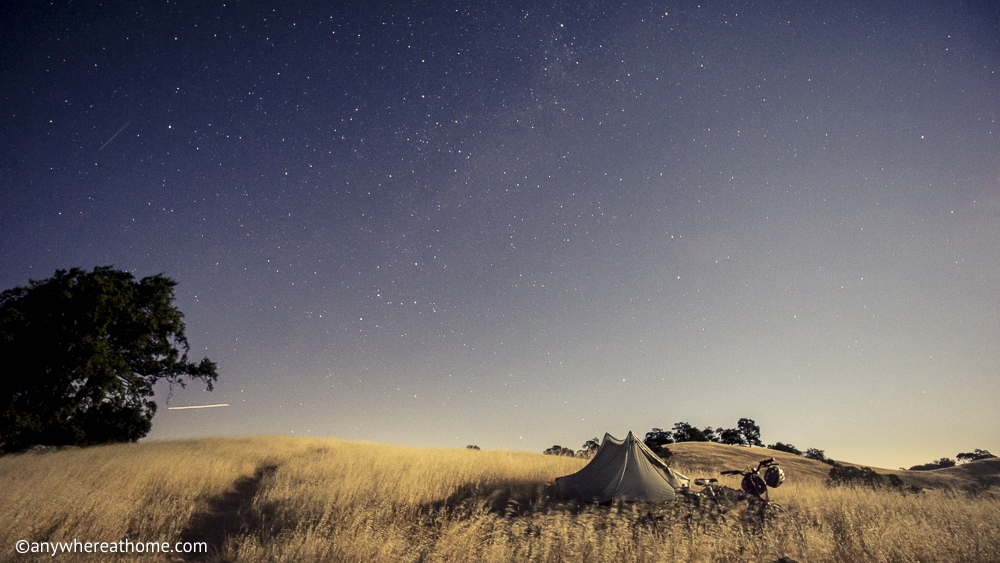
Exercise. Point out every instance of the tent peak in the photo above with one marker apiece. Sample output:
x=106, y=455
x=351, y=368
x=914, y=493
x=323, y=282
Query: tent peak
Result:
x=623, y=469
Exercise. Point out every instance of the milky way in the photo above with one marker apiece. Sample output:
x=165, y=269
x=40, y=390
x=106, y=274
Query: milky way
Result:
x=523, y=225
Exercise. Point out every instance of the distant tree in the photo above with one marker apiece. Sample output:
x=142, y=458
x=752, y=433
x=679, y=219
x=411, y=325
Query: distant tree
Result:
x=471, y=447
x=785, y=448
x=813, y=453
x=559, y=450
x=684, y=432
x=657, y=440
x=732, y=436
x=658, y=437
x=589, y=448
x=710, y=434
x=750, y=431
x=942, y=463
x=974, y=455
x=82, y=351
x=681, y=432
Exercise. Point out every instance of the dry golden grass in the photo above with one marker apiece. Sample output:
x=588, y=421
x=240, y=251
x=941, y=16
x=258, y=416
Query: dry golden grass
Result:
x=297, y=499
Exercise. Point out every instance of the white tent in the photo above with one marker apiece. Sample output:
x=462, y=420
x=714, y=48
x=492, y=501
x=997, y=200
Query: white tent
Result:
x=623, y=469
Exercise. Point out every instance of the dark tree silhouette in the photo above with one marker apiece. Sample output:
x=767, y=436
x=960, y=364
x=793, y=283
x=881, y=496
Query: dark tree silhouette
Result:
x=82, y=352
x=559, y=450
x=942, y=463
x=657, y=440
x=710, y=434
x=850, y=476
x=750, y=431
x=684, y=432
x=974, y=455
x=813, y=453
x=589, y=448
x=785, y=448
x=657, y=437
x=732, y=436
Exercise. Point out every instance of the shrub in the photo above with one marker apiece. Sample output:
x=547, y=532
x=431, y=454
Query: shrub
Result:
x=785, y=448
x=850, y=476
x=559, y=450
x=939, y=464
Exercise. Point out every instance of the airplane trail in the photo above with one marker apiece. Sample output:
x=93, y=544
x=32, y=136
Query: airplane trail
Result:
x=197, y=407
x=113, y=136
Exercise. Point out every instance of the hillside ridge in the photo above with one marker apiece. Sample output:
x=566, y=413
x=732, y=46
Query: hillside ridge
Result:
x=712, y=456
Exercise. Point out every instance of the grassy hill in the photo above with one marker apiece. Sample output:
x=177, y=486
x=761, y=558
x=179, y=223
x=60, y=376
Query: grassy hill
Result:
x=984, y=472
x=302, y=499
x=707, y=459
x=710, y=457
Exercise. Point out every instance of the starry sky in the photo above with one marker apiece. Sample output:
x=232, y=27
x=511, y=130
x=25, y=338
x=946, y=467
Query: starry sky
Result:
x=518, y=224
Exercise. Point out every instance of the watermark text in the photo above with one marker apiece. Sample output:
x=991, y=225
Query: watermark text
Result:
x=126, y=545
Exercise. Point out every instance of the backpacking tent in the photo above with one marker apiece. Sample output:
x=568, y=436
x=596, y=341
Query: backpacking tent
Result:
x=623, y=469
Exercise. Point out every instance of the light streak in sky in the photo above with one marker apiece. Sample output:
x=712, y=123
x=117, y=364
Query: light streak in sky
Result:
x=113, y=136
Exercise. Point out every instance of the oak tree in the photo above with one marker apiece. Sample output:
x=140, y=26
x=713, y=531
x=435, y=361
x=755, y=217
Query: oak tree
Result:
x=81, y=353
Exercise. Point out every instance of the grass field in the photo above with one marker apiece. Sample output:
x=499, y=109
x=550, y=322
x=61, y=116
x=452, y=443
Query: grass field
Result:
x=299, y=499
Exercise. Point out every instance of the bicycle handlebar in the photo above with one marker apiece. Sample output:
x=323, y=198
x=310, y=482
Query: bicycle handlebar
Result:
x=762, y=463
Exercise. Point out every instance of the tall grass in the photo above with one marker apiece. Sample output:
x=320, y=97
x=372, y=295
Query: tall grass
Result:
x=333, y=500
x=107, y=493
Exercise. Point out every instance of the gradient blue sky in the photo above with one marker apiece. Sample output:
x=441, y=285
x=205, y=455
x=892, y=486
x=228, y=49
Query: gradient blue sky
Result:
x=521, y=224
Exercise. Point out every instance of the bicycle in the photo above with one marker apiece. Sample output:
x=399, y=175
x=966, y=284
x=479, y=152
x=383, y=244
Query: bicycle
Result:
x=708, y=485
x=756, y=486
x=713, y=497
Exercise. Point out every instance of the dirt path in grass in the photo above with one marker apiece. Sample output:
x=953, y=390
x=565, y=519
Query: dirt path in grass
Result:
x=224, y=516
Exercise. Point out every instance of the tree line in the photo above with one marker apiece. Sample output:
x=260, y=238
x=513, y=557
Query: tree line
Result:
x=746, y=433
x=945, y=462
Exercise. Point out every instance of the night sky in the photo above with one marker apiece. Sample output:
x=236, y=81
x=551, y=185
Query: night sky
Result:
x=521, y=224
